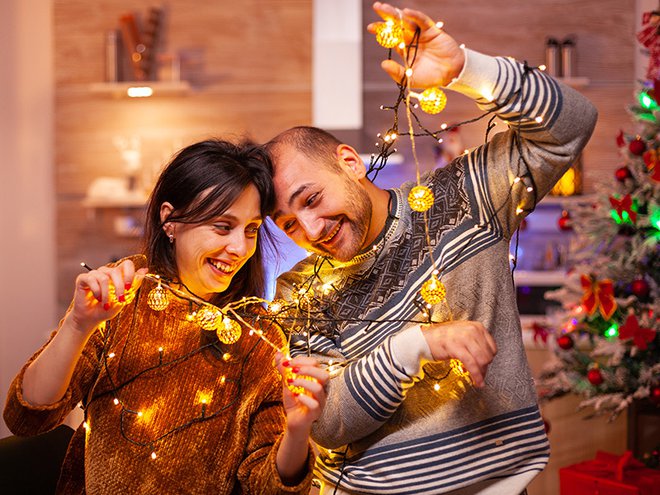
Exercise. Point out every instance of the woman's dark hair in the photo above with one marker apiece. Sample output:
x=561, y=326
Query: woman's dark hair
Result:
x=221, y=170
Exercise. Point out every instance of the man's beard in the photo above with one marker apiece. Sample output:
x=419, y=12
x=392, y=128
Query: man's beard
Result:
x=354, y=229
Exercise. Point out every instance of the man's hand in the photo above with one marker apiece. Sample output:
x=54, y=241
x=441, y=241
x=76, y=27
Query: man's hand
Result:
x=467, y=341
x=439, y=59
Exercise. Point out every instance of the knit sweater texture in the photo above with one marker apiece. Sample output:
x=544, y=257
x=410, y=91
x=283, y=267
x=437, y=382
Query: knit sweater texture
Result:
x=396, y=423
x=155, y=383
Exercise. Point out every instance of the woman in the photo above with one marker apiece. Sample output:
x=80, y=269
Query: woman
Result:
x=169, y=408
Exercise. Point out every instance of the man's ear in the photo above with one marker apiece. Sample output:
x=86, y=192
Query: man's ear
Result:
x=350, y=159
x=166, y=210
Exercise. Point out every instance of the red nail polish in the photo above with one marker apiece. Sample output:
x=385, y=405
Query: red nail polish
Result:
x=106, y=306
x=127, y=286
x=296, y=394
x=286, y=363
x=121, y=298
x=289, y=380
x=295, y=369
x=98, y=298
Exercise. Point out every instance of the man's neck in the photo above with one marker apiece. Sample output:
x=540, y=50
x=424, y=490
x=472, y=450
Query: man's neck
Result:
x=380, y=201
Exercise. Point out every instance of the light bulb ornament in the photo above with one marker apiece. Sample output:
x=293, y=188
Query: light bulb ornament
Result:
x=433, y=291
x=389, y=34
x=157, y=298
x=431, y=100
x=420, y=198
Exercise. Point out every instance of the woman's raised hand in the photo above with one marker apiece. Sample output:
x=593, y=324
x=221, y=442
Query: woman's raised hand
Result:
x=100, y=294
x=303, y=386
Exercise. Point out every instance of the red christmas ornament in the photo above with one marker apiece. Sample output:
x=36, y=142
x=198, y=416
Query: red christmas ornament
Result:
x=565, y=342
x=595, y=377
x=622, y=174
x=640, y=287
x=564, y=221
x=637, y=147
x=654, y=395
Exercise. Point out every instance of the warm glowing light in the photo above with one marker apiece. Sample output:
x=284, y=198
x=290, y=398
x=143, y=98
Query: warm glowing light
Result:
x=538, y=120
x=208, y=318
x=111, y=355
x=229, y=331
x=157, y=298
x=203, y=396
x=439, y=24
x=433, y=291
x=420, y=198
x=432, y=100
x=139, y=91
x=542, y=67
x=226, y=356
x=153, y=455
x=140, y=414
x=389, y=34
x=436, y=387
x=409, y=72
x=519, y=210
x=116, y=401
x=516, y=180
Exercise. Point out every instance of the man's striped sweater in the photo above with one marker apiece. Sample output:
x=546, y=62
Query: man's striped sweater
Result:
x=395, y=422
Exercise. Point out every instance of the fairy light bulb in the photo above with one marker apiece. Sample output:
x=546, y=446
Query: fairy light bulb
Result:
x=457, y=367
x=389, y=34
x=208, y=318
x=290, y=376
x=433, y=291
x=276, y=306
x=420, y=198
x=433, y=100
x=157, y=298
x=229, y=331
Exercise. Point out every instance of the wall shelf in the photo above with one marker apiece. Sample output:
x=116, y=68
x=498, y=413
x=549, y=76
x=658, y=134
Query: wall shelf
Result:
x=158, y=88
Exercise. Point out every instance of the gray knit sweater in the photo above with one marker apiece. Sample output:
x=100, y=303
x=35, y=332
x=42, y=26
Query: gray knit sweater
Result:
x=396, y=423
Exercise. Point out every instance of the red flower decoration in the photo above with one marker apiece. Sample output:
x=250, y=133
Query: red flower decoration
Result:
x=620, y=140
x=598, y=295
x=631, y=330
x=625, y=204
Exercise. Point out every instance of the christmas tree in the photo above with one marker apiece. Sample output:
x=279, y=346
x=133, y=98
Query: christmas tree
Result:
x=606, y=335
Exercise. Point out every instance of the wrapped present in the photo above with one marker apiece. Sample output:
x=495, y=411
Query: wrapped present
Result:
x=609, y=474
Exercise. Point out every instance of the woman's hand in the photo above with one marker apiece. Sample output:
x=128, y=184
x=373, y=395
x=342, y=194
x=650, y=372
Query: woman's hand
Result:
x=100, y=294
x=303, y=390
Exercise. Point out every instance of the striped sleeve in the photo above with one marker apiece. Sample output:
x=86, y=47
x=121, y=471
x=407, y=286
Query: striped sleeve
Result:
x=363, y=393
x=548, y=126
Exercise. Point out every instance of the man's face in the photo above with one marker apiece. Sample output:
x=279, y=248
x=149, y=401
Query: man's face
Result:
x=322, y=209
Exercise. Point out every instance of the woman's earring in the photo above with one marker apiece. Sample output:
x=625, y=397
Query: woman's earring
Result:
x=171, y=236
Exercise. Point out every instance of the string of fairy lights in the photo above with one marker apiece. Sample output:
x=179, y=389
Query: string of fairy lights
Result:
x=309, y=309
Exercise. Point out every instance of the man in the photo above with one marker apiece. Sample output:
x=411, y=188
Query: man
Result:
x=402, y=416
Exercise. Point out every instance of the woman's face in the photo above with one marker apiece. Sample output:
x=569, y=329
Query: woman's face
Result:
x=208, y=255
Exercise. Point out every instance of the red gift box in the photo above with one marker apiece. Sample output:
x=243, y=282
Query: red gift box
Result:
x=609, y=474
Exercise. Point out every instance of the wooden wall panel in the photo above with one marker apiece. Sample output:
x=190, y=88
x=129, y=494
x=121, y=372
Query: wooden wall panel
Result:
x=249, y=64
x=605, y=48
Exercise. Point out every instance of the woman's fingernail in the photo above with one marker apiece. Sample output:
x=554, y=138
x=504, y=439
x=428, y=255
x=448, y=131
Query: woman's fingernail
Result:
x=127, y=286
x=289, y=380
x=286, y=363
x=296, y=394
x=106, y=306
x=98, y=298
x=295, y=369
x=121, y=298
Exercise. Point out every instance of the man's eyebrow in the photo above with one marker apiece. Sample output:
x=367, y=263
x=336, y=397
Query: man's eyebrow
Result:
x=292, y=198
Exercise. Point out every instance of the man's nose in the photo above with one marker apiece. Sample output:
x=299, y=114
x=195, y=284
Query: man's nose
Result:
x=313, y=227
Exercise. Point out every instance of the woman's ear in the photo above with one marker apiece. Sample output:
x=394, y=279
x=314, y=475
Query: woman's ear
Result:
x=166, y=210
x=349, y=158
